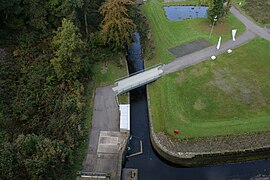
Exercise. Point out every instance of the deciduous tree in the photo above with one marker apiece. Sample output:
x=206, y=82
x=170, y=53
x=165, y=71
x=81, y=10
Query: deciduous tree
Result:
x=216, y=9
x=118, y=27
x=68, y=48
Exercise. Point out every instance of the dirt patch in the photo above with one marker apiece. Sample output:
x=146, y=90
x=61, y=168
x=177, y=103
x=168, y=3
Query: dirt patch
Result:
x=189, y=48
x=104, y=69
x=196, y=72
x=199, y=105
x=245, y=90
x=220, y=28
x=180, y=78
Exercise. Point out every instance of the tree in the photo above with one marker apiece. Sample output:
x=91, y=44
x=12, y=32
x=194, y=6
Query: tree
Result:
x=216, y=9
x=67, y=56
x=39, y=15
x=118, y=27
x=41, y=157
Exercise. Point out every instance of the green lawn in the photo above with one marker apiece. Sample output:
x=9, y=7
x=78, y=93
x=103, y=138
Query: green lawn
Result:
x=108, y=72
x=229, y=95
x=168, y=34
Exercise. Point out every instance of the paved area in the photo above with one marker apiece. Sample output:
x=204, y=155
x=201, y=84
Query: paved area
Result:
x=106, y=142
x=137, y=80
x=189, y=48
x=252, y=30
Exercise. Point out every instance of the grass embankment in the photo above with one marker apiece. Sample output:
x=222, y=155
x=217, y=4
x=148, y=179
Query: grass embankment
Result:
x=168, y=34
x=229, y=95
x=256, y=10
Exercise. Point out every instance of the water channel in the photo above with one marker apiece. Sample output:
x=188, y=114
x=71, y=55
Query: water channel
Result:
x=151, y=166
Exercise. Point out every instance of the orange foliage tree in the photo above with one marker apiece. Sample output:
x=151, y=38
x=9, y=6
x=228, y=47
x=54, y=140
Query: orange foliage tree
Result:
x=117, y=26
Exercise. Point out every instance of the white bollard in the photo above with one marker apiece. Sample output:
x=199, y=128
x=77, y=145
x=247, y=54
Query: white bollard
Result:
x=213, y=57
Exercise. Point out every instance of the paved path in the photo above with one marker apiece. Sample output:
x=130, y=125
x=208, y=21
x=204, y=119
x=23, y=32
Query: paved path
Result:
x=105, y=118
x=252, y=30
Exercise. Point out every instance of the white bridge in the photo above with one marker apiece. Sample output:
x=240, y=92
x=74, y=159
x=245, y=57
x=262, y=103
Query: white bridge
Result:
x=137, y=80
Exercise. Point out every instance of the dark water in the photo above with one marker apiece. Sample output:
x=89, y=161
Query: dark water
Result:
x=151, y=167
x=176, y=13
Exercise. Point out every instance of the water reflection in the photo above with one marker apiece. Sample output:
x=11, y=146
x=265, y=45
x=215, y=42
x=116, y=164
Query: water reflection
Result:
x=176, y=13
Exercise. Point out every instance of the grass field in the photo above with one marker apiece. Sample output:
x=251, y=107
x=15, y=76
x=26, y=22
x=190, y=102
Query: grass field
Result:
x=229, y=95
x=168, y=34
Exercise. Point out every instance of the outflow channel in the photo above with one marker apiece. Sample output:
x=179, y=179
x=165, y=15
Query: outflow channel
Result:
x=151, y=166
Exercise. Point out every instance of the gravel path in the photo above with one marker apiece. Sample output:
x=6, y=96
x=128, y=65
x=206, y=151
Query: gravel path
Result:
x=252, y=30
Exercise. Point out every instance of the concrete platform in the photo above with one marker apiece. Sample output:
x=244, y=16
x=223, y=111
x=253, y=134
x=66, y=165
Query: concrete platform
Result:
x=107, y=159
x=189, y=48
x=107, y=143
x=110, y=142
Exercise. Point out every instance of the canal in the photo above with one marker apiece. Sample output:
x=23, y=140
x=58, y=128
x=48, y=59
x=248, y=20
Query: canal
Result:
x=151, y=166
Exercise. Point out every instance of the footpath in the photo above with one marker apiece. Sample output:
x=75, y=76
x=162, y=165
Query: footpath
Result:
x=252, y=31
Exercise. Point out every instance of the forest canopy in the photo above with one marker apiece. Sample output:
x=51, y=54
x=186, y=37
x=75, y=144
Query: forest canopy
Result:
x=50, y=48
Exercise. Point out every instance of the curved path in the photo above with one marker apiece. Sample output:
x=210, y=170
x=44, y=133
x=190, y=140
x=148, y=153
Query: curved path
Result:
x=252, y=30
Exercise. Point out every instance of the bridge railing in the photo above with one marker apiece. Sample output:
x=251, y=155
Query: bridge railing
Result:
x=131, y=87
x=138, y=72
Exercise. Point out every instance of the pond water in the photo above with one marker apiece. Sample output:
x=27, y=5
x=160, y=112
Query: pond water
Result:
x=176, y=13
x=151, y=166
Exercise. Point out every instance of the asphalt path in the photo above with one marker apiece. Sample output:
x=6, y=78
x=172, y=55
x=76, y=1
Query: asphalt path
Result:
x=105, y=118
x=252, y=30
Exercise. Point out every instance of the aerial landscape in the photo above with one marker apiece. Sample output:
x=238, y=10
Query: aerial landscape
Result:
x=125, y=89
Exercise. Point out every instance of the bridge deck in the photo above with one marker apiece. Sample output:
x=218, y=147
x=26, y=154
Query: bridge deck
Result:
x=137, y=80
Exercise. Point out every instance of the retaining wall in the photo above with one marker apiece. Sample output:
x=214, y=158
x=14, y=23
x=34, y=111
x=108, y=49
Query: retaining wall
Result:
x=190, y=159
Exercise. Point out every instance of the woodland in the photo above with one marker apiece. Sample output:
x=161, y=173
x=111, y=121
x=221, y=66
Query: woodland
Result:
x=48, y=52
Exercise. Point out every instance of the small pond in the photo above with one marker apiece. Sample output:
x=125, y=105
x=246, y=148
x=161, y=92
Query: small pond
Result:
x=176, y=13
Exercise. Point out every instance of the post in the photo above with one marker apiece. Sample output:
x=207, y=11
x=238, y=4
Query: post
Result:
x=215, y=19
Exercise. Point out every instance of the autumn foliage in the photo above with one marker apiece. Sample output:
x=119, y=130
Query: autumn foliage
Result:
x=118, y=27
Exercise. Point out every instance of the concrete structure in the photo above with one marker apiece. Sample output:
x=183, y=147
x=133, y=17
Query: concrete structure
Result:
x=107, y=143
x=124, y=117
x=130, y=174
x=137, y=80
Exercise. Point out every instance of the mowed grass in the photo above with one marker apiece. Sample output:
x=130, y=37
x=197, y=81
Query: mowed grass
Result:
x=229, y=95
x=107, y=72
x=168, y=34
